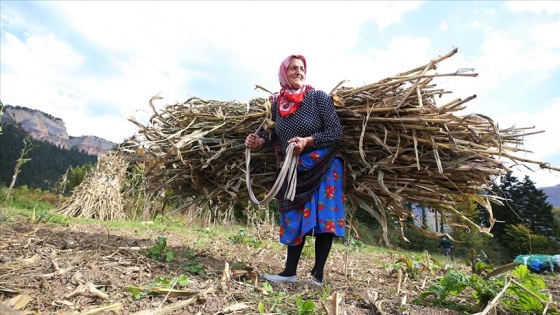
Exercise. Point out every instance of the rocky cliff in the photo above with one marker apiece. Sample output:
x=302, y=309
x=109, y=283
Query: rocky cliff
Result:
x=45, y=127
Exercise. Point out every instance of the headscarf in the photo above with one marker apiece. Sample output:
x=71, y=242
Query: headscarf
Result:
x=289, y=98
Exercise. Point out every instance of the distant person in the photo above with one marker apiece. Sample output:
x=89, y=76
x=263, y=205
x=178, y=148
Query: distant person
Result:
x=307, y=117
x=446, y=246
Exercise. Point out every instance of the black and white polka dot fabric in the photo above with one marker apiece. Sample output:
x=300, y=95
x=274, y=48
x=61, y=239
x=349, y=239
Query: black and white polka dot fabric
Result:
x=315, y=117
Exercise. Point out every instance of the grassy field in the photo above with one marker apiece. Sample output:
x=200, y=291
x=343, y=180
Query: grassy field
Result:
x=62, y=265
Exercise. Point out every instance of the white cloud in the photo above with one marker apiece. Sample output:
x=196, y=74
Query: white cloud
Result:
x=128, y=51
x=541, y=35
x=151, y=45
x=548, y=7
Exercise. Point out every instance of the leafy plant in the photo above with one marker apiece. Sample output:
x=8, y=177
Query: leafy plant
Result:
x=527, y=288
x=243, y=238
x=326, y=292
x=453, y=282
x=484, y=290
x=158, y=252
x=309, y=248
x=207, y=231
x=304, y=307
x=77, y=174
x=478, y=266
x=355, y=244
x=267, y=287
x=406, y=265
x=192, y=264
x=24, y=198
x=525, y=294
x=138, y=293
x=277, y=298
x=41, y=216
x=160, y=282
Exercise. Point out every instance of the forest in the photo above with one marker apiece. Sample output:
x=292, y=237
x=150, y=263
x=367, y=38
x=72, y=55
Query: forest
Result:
x=47, y=162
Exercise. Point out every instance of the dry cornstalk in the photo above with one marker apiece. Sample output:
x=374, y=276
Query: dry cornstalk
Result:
x=399, y=146
x=99, y=195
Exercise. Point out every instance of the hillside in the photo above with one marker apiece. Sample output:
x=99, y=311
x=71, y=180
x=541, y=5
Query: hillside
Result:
x=47, y=164
x=45, y=127
x=91, y=268
x=553, y=195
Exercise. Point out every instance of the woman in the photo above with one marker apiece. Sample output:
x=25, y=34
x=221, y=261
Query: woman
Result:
x=308, y=118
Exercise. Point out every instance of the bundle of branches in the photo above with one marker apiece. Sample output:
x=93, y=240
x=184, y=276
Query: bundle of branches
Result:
x=398, y=145
x=99, y=194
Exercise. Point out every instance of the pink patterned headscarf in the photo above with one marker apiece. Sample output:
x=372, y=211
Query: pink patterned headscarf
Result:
x=283, y=70
x=290, y=98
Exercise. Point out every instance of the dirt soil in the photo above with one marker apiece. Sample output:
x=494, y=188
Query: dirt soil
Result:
x=88, y=269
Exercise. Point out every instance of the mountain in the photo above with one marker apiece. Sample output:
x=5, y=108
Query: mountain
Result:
x=553, y=195
x=45, y=127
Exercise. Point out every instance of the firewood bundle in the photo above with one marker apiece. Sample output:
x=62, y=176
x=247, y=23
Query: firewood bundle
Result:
x=399, y=146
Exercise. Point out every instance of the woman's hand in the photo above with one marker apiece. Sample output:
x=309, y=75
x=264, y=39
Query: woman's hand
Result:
x=253, y=141
x=301, y=143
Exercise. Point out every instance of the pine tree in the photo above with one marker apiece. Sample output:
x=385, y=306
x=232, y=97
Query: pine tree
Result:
x=524, y=206
x=505, y=214
x=535, y=211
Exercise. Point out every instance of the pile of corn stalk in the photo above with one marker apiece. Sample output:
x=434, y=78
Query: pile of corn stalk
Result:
x=99, y=195
x=399, y=146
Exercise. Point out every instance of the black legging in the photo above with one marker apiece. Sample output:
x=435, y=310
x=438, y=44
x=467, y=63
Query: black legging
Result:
x=323, y=244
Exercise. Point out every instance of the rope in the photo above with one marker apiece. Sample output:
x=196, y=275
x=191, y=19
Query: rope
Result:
x=289, y=168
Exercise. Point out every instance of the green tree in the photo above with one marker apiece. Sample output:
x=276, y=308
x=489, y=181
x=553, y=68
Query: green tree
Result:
x=524, y=205
x=535, y=211
x=1, y=113
x=77, y=175
x=520, y=240
x=506, y=213
x=47, y=165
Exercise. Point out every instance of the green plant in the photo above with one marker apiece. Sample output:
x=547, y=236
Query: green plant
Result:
x=524, y=290
x=267, y=287
x=24, y=198
x=406, y=265
x=243, y=238
x=477, y=265
x=304, y=307
x=207, y=231
x=160, y=282
x=527, y=288
x=309, y=248
x=77, y=174
x=192, y=264
x=41, y=216
x=452, y=283
x=326, y=292
x=356, y=244
x=484, y=290
x=158, y=252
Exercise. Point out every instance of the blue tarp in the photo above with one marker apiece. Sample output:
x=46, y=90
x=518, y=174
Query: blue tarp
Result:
x=539, y=263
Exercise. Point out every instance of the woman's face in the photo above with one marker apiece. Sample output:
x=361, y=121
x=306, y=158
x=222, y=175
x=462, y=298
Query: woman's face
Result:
x=296, y=73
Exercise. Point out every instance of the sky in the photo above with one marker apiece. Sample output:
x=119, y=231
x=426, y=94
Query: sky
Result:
x=94, y=64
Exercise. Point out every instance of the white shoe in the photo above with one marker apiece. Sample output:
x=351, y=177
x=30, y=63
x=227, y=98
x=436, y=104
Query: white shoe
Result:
x=313, y=282
x=278, y=279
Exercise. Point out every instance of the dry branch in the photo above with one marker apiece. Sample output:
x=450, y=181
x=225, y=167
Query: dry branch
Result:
x=399, y=147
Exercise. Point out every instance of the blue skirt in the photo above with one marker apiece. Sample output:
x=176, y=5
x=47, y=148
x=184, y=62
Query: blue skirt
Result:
x=324, y=212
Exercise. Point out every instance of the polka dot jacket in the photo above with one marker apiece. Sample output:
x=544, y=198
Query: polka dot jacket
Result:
x=316, y=117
